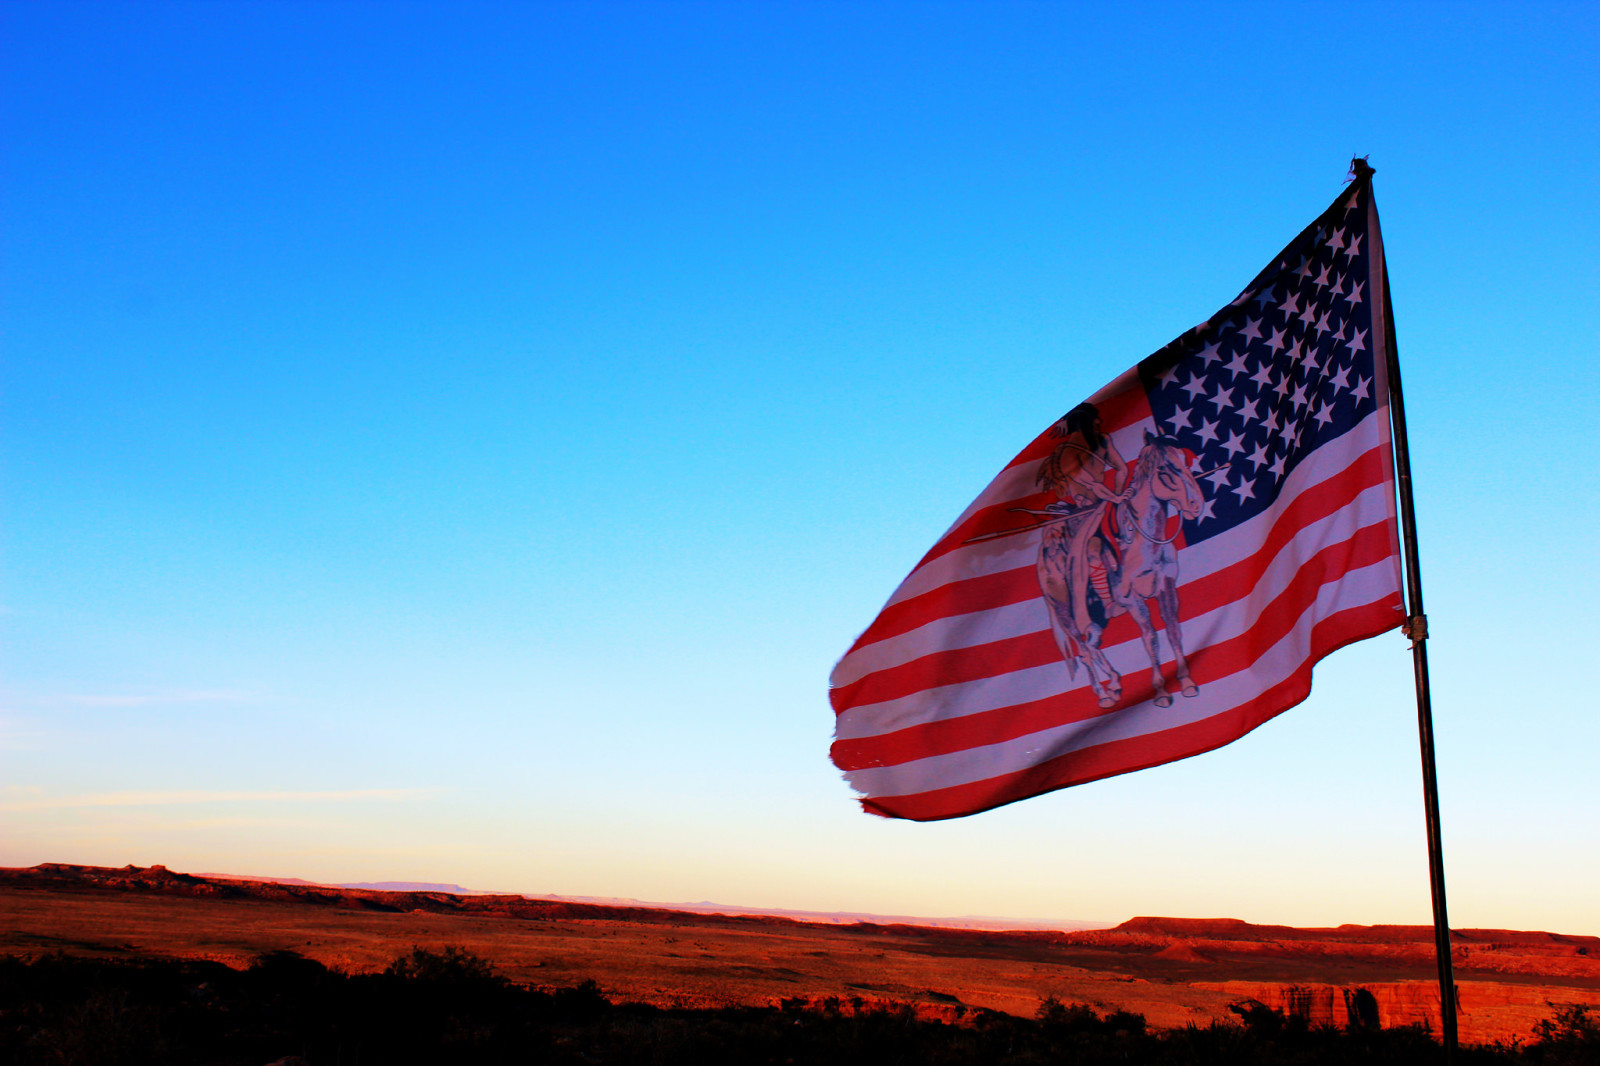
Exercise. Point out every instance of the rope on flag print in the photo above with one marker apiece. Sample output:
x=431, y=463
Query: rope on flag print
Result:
x=1156, y=573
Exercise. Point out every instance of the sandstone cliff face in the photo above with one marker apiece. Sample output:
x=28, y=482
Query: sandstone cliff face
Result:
x=1490, y=1011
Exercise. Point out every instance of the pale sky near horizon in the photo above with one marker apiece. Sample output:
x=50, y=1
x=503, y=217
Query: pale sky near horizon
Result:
x=454, y=442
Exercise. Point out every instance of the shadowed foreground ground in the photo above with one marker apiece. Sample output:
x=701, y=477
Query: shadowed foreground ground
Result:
x=450, y=1007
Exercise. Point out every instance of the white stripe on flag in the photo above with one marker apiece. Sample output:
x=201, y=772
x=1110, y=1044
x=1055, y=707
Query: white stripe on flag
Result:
x=1368, y=585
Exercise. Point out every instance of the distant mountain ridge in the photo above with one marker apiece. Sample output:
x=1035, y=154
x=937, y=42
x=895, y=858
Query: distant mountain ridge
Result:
x=371, y=886
x=414, y=886
x=967, y=921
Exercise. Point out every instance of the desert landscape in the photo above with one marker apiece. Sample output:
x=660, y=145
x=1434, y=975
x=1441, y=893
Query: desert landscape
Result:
x=1174, y=972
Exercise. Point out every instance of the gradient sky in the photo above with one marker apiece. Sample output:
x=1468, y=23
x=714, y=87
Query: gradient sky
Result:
x=454, y=442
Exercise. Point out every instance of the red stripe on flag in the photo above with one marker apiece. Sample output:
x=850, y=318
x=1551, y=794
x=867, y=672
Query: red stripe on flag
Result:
x=1138, y=753
x=958, y=597
x=1207, y=664
x=997, y=518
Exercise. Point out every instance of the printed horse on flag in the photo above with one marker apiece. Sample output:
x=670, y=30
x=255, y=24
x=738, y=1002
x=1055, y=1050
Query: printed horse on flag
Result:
x=1144, y=567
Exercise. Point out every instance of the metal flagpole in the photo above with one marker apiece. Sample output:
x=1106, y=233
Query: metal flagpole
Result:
x=1416, y=628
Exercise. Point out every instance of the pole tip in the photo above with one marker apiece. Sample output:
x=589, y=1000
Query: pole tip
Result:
x=1359, y=168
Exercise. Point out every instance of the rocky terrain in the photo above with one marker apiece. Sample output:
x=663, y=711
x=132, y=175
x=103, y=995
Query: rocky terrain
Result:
x=1173, y=971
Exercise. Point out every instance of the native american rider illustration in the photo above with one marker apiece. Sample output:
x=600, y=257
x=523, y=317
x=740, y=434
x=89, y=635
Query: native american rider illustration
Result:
x=1105, y=549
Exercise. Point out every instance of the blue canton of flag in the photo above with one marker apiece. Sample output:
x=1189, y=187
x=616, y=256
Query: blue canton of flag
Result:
x=1282, y=370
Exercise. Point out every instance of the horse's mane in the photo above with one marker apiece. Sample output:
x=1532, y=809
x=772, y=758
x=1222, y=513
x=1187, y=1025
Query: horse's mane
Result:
x=1143, y=471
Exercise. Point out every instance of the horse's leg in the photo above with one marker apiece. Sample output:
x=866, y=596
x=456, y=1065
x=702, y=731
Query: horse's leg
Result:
x=1104, y=680
x=1112, y=691
x=1076, y=646
x=1055, y=581
x=1167, y=590
x=1111, y=607
x=1064, y=580
x=1152, y=647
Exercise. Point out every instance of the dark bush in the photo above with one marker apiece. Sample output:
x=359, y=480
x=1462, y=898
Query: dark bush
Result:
x=1072, y=1018
x=1569, y=1038
x=451, y=966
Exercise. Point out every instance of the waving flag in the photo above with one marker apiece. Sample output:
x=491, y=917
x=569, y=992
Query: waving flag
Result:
x=1155, y=574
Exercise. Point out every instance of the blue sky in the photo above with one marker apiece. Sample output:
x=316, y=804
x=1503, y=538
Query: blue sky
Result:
x=454, y=442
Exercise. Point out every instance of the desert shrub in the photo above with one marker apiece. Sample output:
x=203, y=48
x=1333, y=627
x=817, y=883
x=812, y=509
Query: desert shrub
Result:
x=1263, y=1021
x=1571, y=1037
x=1123, y=1021
x=1071, y=1017
x=287, y=968
x=1057, y=1019
x=452, y=965
x=583, y=1002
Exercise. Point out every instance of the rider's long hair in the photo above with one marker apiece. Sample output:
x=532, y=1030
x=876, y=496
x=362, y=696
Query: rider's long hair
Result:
x=1082, y=420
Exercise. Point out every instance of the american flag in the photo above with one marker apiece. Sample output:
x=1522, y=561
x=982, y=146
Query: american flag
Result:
x=975, y=688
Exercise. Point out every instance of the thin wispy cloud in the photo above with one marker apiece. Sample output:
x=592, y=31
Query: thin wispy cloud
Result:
x=13, y=739
x=144, y=699
x=201, y=797
x=27, y=698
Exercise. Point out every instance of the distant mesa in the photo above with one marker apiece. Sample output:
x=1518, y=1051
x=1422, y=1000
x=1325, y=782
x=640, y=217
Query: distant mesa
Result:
x=263, y=880
x=370, y=886
x=412, y=886
x=1225, y=928
x=707, y=907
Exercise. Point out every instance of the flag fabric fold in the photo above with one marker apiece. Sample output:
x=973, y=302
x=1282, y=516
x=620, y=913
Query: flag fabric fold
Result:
x=1155, y=574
